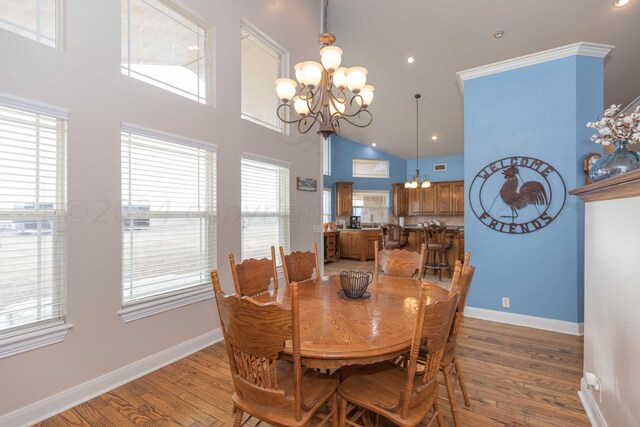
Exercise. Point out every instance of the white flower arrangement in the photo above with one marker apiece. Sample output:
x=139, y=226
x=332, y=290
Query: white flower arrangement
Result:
x=612, y=127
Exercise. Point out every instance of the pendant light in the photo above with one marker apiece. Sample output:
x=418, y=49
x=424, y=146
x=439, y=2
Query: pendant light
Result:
x=417, y=180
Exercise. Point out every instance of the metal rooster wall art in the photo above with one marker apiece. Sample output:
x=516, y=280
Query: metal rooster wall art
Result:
x=517, y=195
x=531, y=193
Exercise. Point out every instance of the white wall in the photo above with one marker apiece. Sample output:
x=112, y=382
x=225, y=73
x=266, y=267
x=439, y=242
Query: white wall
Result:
x=84, y=77
x=612, y=314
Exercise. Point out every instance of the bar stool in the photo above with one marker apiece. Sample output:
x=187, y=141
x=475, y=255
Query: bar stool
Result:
x=438, y=245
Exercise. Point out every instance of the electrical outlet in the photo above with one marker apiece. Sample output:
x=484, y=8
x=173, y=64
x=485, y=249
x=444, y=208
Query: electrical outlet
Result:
x=318, y=228
x=506, y=303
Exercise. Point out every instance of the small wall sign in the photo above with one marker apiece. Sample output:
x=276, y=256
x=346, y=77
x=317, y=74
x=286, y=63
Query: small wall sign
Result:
x=517, y=195
x=307, y=184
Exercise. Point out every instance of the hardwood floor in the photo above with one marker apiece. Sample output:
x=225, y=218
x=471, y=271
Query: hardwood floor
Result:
x=515, y=376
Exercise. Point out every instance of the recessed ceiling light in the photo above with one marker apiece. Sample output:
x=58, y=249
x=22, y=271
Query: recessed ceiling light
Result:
x=373, y=144
x=194, y=47
x=410, y=60
x=498, y=34
x=434, y=137
x=620, y=3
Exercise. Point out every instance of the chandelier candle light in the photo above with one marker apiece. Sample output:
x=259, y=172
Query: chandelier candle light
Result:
x=417, y=180
x=328, y=92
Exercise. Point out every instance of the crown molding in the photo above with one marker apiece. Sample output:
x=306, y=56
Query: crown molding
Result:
x=596, y=50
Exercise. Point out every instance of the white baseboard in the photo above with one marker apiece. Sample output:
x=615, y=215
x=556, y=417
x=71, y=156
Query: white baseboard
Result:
x=69, y=398
x=524, y=320
x=591, y=407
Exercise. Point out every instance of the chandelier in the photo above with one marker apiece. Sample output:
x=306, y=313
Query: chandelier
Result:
x=328, y=93
x=417, y=180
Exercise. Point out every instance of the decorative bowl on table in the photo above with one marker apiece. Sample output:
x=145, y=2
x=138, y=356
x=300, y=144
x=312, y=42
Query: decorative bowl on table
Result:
x=354, y=283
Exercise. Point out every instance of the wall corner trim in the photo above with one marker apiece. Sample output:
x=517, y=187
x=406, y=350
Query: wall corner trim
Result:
x=591, y=407
x=552, y=325
x=596, y=50
x=52, y=405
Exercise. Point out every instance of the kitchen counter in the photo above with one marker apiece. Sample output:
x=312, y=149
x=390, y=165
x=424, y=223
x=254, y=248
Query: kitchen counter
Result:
x=448, y=227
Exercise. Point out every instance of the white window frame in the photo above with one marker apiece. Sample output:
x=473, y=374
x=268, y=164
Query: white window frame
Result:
x=144, y=307
x=284, y=214
x=357, y=162
x=283, y=70
x=365, y=218
x=205, y=97
x=50, y=331
x=326, y=208
x=37, y=36
x=326, y=156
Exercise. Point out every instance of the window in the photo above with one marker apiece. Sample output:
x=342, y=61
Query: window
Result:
x=263, y=61
x=326, y=205
x=363, y=168
x=372, y=206
x=34, y=19
x=265, y=206
x=326, y=156
x=169, y=214
x=164, y=47
x=32, y=217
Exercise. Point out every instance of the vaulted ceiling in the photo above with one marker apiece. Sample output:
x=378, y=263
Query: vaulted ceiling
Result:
x=447, y=36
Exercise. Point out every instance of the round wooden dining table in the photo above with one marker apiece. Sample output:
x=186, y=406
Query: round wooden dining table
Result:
x=336, y=331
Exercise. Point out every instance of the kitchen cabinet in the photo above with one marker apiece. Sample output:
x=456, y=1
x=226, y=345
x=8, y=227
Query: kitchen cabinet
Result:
x=421, y=201
x=358, y=244
x=458, y=198
x=428, y=197
x=344, y=198
x=445, y=198
x=331, y=246
x=414, y=239
x=400, y=198
x=442, y=198
x=371, y=237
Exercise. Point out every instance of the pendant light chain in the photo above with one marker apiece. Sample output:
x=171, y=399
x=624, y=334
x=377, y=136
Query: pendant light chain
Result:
x=417, y=120
x=324, y=16
x=417, y=181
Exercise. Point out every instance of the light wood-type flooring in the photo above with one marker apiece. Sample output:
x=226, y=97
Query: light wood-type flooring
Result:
x=515, y=377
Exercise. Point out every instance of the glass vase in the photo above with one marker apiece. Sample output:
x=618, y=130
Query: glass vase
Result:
x=620, y=161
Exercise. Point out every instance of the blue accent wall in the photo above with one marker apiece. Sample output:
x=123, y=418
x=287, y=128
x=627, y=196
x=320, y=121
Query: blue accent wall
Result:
x=342, y=153
x=454, y=172
x=538, y=111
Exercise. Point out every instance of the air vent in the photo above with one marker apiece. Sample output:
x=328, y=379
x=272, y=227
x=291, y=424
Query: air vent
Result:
x=440, y=167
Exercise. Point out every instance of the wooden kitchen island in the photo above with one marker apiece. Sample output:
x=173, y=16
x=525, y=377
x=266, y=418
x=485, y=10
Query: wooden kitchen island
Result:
x=359, y=243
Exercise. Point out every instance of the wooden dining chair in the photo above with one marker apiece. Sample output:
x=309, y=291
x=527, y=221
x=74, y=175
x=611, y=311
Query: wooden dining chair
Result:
x=254, y=276
x=400, y=394
x=299, y=266
x=268, y=388
x=450, y=365
x=399, y=262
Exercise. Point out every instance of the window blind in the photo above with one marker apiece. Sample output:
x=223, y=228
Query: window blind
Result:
x=265, y=207
x=326, y=205
x=262, y=62
x=32, y=213
x=372, y=206
x=169, y=216
x=364, y=168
